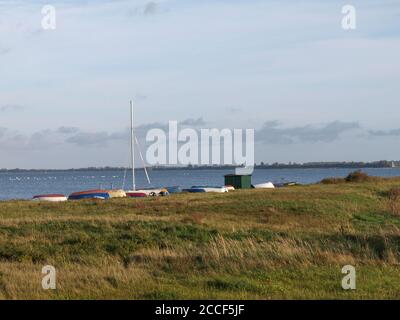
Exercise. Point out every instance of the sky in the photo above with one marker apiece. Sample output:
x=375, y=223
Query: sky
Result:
x=311, y=90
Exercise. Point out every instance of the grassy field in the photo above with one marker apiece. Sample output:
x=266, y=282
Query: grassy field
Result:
x=288, y=243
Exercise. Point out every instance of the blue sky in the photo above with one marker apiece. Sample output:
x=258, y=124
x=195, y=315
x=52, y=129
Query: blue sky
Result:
x=311, y=90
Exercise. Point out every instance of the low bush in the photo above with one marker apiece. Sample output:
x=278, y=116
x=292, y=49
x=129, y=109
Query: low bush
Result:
x=358, y=176
x=355, y=176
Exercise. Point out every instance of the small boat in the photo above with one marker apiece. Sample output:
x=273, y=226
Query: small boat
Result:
x=267, y=185
x=90, y=194
x=50, y=197
x=155, y=192
x=194, y=190
x=230, y=188
x=175, y=189
x=208, y=189
x=291, y=184
x=147, y=193
x=116, y=193
x=136, y=194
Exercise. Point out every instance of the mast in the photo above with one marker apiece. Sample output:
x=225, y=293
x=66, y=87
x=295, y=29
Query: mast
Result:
x=132, y=150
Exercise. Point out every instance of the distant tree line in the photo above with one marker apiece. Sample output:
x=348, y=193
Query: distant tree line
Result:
x=262, y=165
x=316, y=165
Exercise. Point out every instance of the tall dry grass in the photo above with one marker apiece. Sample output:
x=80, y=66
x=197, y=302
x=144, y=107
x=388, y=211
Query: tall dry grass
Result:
x=285, y=243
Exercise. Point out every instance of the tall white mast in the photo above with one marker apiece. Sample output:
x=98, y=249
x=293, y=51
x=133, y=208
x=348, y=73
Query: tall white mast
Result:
x=133, y=149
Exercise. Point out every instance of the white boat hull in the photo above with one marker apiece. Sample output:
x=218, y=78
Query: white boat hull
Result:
x=217, y=190
x=268, y=185
x=209, y=189
x=51, y=199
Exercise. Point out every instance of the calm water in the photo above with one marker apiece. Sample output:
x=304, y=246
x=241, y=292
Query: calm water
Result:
x=25, y=185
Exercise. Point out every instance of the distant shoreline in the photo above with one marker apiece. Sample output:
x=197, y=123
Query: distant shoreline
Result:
x=311, y=165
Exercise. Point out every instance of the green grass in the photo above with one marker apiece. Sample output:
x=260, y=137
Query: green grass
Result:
x=288, y=243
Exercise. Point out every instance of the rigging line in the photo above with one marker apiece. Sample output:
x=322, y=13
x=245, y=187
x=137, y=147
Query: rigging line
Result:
x=143, y=163
x=124, y=180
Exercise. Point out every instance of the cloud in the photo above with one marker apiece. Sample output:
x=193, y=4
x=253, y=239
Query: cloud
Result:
x=103, y=138
x=2, y=132
x=194, y=122
x=384, y=133
x=67, y=130
x=97, y=139
x=11, y=139
x=141, y=97
x=11, y=107
x=4, y=50
x=39, y=140
x=233, y=110
x=272, y=132
x=35, y=33
x=150, y=8
x=89, y=139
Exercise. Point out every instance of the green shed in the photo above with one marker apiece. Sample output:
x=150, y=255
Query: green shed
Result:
x=238, y=181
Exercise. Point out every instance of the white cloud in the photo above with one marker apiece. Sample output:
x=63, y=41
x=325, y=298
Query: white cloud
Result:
x=11, y=107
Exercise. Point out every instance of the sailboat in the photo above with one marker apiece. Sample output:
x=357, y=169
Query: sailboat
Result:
x=140, y=193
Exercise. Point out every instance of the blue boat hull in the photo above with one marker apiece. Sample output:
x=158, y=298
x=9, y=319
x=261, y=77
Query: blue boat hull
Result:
x=174, y=189
x=89, y=196
x=195, y=190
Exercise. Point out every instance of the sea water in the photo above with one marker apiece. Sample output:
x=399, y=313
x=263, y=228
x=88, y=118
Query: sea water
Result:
x=23, y=185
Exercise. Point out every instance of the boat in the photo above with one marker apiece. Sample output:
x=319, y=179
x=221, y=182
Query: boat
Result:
x=217, y=189
x=286, y=184
x=146, y=192
x=194, y=190
x=174, y=189
x=230, y=188
x=267, y=185
x=136, y=194
x=291, y=184
x=155, y=192
x=90, y=194
x=116, y=193
x=50, y=197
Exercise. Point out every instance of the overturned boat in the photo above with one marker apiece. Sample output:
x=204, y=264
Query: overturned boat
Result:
x=155, y=192
x=218, y=189
x=50, y=197
x=174, y=189
x=136, y=194
x=267, y=185
x=148, y=192
x=90, y=194
x=117, y=193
